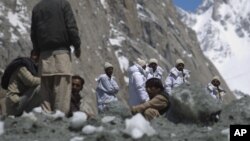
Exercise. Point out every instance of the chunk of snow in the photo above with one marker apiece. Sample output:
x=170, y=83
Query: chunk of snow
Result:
x=1, y=128
x=107, y=119
x=57, y=115
x=77, y=139
x=137, y=126
x=30, y=116
x=89, y=129
x=78, y=120
x=38, y=110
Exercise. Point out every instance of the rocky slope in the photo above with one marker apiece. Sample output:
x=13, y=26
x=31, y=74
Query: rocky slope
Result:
x=114, y=31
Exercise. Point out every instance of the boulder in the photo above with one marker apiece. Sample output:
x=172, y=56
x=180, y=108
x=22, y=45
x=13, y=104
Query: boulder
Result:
x=192, y=104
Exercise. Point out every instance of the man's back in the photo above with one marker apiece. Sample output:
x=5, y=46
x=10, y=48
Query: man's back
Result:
x=53, y=26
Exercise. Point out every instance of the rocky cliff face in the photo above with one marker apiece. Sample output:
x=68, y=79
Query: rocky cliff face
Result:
x=118, y=31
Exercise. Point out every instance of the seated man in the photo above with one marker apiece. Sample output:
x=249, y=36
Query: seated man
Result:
x=77, y=85
x=158, y=103
x=107, y=88
x=215, y=90
x=177, y=76
x=22, y=85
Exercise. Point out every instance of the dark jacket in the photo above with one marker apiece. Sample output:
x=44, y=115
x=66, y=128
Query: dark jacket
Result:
x=53, y=26
x=75, y=103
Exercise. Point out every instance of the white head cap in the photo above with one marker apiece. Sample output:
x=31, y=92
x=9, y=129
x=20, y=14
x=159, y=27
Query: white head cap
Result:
x=179, y=61
x=141, y=62
x=153, y=60
x=107, y=65
x=216, y=78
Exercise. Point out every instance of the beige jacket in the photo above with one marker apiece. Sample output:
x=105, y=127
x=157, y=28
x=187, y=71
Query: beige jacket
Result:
x=159, y=103
x=20, y=81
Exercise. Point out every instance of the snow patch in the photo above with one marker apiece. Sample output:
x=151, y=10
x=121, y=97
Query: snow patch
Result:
x=108, y=119
x=104, y=4
x=137, y=126
x=77, y=139
x=89, y=129
x=1, y=128
x=126, y=79
x=171, y=21
x=123, y=61
x=117, y=41
x=13, y=38
x=190, y=55
x=145, y=14
x=163, y=4
x=19, y=18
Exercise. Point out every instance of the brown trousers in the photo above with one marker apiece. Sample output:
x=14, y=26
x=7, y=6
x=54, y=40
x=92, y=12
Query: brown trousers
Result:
x=56, y=91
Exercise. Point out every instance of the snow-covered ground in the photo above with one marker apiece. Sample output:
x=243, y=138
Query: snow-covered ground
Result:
x=225, y=38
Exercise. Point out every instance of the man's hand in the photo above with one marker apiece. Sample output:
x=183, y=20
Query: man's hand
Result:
x=77, y=52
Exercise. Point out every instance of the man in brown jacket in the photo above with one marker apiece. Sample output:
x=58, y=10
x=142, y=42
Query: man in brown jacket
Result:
x=158, y=103
x=53, y=31
x=22, y=85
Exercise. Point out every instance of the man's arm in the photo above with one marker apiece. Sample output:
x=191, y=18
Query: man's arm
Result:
x=72, y=28
x=107, y=87
x=27, y=78
x=159, y=102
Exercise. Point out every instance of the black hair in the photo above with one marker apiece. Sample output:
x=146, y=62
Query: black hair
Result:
x=154, y=82
x=80, y=78
x=33, y=52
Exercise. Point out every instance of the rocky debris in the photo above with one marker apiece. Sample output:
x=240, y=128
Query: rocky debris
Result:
x=40, y=126
x=193, y=104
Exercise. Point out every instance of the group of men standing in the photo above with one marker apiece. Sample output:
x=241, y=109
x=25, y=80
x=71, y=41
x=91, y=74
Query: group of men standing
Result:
x=51, y=85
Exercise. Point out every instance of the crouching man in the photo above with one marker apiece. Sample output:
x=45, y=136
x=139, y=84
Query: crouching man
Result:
x=158, y=103
x=22, y=85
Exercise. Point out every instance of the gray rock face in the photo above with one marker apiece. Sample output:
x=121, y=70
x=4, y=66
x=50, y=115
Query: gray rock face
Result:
x=192, y=104
x=115, y=31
